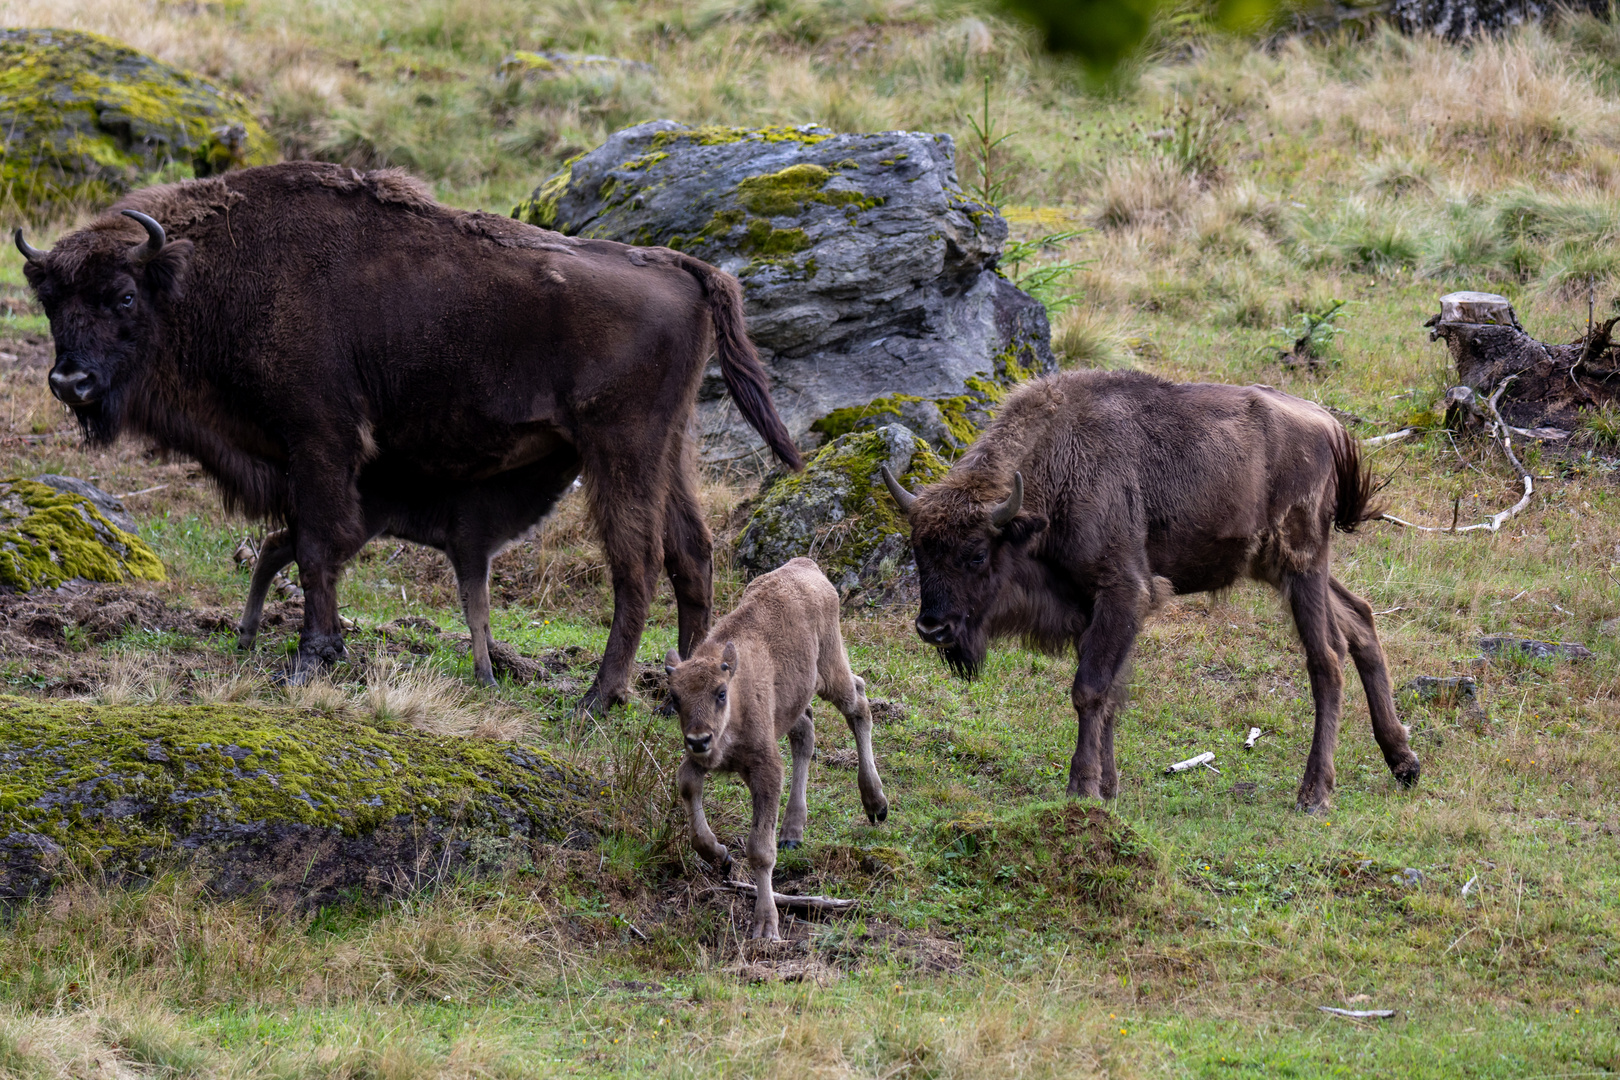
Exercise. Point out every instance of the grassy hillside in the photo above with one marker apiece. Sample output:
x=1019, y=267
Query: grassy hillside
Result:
x=1217, y=194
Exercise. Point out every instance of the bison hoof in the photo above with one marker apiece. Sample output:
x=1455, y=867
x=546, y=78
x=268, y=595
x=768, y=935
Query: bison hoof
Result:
x=789, y=845
x=246, y=639
x=486, y=678
x=1310, y=806
x=880, y=814
x=1407, y=775
x=596, y=702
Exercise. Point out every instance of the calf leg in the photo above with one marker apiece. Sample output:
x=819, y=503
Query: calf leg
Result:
x=802, y=738
x=275, y=555
x=1104, y=650
x=1325, y=647
x=765, y=784
x=689, y=781
x=471, y=564
x=688, y=555
x=1355, y=621
x=846, y=691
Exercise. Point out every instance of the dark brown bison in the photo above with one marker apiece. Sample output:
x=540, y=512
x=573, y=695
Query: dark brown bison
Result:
x=301, y=329
x=1095, y=494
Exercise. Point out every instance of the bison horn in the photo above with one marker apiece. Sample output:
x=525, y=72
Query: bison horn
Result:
x=154, y=232
x=29, y=251
x=1015, y=502
x=898, y=490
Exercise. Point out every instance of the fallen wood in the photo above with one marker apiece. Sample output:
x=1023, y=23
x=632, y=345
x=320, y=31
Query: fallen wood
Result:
x=1394, y=436
x=1192, y=763
x=1499, y=428
x=1254, y=733
x=813, y=903
x=1359, y=1014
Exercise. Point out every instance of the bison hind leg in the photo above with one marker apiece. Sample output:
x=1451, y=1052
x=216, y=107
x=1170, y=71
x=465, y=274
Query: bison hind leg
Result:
x=1355, y=622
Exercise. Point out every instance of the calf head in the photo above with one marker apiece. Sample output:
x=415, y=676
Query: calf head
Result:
x=105, y=299
x=700, y=690
x=967, y=552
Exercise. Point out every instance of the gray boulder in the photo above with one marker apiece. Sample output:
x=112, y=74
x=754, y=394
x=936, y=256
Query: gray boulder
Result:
x=838, y=511
x=867, y=272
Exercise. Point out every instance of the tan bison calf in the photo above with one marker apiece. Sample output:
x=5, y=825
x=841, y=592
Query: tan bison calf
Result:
x=749, y=683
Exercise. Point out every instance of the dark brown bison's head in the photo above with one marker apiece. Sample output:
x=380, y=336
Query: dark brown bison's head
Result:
x=699, y=689
x=966, y=553
x=104, y=297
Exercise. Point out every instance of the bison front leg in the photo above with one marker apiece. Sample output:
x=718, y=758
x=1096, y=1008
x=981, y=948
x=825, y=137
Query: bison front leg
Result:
x=689, y=780
x=331, y=530
x=1104, y=650
x=472, y=584
x=275, y=555
x=765, y=784
x=802, y=740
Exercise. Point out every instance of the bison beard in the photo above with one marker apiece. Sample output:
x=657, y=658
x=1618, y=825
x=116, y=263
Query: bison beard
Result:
x=1138, y=488
x=306, y=332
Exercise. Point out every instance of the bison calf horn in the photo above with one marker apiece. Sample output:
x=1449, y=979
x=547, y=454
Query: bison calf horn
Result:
x=29, y=251
x=1015, y=502
x=154, y=233
x=898, y=490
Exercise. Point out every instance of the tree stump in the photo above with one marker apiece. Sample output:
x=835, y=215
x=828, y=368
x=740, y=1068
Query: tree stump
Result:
x=1552, y=383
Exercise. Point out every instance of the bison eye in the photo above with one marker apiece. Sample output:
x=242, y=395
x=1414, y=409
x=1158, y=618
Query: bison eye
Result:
x=127, y=300
x=978, y=559
x=720, y=696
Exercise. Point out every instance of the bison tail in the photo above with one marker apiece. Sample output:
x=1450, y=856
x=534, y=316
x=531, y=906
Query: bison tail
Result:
x=1355, y=483
x=739, y=362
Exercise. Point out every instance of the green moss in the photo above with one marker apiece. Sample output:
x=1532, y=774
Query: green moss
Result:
x=790, y=190
x=720, y=136
x=763, y=239
x=838, y=511
x=540, y=208
x=48, y=537
x=644, y=161
x=119, y=788
x=87, y=117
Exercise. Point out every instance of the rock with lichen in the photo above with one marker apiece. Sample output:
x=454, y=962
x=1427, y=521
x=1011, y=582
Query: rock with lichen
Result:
x=838, y=511
x=298, y=807
x=86, y=117
x=55, y=529
x=867, y=273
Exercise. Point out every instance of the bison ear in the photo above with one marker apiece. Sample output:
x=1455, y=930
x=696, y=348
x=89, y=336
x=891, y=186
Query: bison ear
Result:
x=728, y=658
x=672, y=660
x=166, y=271
x=1021, y=529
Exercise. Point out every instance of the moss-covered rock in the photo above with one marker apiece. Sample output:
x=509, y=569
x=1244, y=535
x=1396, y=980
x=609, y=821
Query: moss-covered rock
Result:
x=48, y=536
x=85, y=117
x=258, y=799
x=838, y=512
x=867, y=272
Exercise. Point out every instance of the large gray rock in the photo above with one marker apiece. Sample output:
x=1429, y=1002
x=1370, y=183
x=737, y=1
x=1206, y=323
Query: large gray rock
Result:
x=838, y=511
x=867, y=272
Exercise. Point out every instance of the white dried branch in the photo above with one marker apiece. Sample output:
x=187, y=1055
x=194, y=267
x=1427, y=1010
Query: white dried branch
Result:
x=1499, y=429
x=816, y=903
x=1191, y=763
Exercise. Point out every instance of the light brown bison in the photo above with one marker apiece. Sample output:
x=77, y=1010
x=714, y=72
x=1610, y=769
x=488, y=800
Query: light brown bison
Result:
x=1095, y=494
x=749, y=684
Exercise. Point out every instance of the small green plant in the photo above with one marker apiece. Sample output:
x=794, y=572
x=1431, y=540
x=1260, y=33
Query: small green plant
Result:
x=1308, y=338
x=1602, y=426
x=1196, y=136
x=1045, y=281
x=986, y=141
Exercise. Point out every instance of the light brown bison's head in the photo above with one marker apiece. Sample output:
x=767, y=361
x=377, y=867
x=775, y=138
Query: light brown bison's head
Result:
x=966, y=552
x=700, y=690
x=104, y=297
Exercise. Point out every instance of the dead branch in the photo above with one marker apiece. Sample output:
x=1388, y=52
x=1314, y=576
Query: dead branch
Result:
x=1499, y=428
x=1192, y=763
x=814, y=903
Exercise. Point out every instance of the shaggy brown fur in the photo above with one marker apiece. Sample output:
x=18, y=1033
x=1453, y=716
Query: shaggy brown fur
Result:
x=1133, y=487
x=308, y=332
x=750, y=683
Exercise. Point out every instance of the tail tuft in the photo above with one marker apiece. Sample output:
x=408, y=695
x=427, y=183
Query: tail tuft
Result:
x=739, y=361
x=1354, y=502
